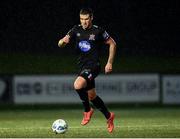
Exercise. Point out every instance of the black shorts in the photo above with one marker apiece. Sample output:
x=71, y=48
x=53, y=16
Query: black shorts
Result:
x=89, y=74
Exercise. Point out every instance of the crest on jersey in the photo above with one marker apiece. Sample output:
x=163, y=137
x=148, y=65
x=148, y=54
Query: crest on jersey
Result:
x=92, y=37
x=84, y=46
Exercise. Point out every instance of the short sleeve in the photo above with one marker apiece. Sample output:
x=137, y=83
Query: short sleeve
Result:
x=71, y=32
x=105, y=35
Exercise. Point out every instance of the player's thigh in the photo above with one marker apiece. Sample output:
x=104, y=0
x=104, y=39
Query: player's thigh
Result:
x=80, y=83
x=91, y=94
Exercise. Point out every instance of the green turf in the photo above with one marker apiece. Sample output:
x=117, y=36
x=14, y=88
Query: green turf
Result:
x=25, y=63
x=129, y=122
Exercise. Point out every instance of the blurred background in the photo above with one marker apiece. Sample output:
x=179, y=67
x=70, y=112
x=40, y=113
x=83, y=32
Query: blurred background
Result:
x=147, y=33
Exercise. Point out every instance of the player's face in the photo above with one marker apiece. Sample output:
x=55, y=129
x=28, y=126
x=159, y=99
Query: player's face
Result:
x=86, y=21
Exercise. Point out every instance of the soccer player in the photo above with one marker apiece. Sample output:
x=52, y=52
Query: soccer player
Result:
x=88, y=39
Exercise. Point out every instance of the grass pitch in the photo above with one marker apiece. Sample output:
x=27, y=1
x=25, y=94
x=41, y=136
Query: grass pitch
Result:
x=129, y=123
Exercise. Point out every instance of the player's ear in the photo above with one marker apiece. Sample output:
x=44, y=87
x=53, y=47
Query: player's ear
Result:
x=91, y=17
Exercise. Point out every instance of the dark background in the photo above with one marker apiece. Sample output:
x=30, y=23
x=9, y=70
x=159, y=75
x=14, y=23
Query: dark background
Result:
x=147, y=33
x=138, y=26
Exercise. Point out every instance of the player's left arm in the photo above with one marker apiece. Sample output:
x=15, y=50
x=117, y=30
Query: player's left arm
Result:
x=112, y=51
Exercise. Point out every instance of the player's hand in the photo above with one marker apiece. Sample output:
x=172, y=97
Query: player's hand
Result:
x=108, y=68
x=64, y=41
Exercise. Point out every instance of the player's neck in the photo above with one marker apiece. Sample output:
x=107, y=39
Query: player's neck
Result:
x=89, y=27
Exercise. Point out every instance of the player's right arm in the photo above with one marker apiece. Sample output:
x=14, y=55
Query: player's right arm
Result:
x=62, y=42
x=70, y=35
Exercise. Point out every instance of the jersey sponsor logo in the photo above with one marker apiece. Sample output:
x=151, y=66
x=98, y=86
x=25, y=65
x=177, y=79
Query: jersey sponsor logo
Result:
x=84, y=46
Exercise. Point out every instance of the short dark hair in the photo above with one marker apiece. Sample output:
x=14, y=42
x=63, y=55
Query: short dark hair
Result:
x=84, y=11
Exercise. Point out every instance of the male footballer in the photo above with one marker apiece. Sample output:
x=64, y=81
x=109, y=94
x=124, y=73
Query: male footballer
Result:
x=88, y=38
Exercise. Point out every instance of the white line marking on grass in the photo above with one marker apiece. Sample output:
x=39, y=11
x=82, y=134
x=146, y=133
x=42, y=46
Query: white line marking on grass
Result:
x=93, y=127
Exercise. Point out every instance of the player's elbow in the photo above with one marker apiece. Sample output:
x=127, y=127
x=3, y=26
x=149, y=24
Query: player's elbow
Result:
x=111, y=42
